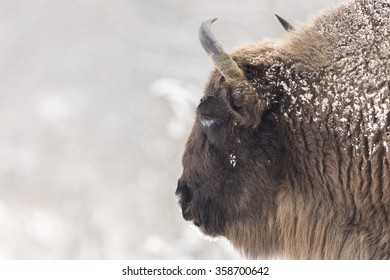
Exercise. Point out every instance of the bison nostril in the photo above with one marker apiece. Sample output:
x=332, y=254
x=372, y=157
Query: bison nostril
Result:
x=184, y=193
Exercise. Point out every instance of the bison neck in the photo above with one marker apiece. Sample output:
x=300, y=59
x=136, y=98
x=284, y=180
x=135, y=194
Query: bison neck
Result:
x=317, y=229
x=333, y=204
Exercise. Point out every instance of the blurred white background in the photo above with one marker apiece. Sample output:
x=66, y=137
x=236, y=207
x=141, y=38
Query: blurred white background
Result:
x=96, y=101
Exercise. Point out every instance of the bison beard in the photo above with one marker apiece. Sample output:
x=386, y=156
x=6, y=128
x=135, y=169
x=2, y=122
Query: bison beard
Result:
x=288, y=155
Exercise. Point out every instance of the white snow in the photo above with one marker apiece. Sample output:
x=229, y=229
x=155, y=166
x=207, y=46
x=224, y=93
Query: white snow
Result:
x=233, y=160
x=183, y=98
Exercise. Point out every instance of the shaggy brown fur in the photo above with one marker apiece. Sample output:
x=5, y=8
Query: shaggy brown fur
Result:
x=292, y=161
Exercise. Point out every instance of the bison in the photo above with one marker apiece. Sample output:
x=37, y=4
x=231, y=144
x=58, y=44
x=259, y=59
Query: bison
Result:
x=289, y=156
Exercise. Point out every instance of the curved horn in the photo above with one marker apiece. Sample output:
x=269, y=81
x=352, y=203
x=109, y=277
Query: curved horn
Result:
x=286, y=25
x=224, y=63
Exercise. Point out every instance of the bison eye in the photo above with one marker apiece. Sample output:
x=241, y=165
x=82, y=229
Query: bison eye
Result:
x=207, y=122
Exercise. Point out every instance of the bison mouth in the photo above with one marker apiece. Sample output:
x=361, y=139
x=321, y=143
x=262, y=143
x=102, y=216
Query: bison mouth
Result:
x=202, y=212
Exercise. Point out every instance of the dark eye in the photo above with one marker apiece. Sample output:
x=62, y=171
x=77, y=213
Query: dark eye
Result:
x=207, y=122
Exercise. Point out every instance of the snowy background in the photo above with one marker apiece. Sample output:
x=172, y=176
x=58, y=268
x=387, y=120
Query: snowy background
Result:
x=96, y=102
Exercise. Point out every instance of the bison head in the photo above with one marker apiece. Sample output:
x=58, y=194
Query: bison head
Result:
x=233, y=164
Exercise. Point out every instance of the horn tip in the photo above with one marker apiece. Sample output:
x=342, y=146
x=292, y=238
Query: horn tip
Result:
x=209, y=21
x=286, y=25
x=205, y=35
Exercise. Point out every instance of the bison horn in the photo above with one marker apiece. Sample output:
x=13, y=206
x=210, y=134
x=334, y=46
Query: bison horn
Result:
x=224, y=63
x=286, y=25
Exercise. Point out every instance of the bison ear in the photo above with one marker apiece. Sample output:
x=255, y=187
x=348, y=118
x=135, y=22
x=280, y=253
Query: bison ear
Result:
x=245, y=103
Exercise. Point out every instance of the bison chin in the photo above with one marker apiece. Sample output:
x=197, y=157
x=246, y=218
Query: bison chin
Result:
x=205, y=214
